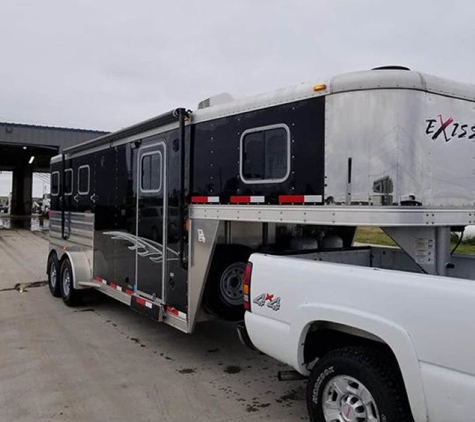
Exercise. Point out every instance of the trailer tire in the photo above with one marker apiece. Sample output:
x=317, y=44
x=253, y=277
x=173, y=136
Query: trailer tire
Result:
x=71, y=296
x=223, y=295
x=357, y=384
x=53, y=275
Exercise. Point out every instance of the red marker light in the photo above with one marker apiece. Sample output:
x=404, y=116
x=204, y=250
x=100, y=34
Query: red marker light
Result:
x=246, y=288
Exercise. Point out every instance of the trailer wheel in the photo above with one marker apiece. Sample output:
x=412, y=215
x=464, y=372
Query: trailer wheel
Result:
x=53, y=275
x=223, y=294
x=357, y=384
x=70, y=295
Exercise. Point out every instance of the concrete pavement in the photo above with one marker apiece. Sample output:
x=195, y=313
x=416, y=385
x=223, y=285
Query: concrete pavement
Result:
x=102, y=362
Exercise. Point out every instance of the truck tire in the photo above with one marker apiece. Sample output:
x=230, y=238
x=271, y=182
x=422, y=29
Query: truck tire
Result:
x=53, y=275
x=357, y=384
x=70, y=295
x=223, y=295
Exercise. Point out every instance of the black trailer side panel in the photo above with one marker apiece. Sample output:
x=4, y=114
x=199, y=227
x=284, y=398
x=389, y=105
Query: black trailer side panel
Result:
x=114, y=209
x=216, y=152
x=115, y=180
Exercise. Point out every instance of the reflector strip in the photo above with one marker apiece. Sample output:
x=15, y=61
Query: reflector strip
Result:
x=140, y=301
x=101, y=280
x=113, y=285
x=146, y=307
x=153, y=311
x=205, y=199
x=143, y=302
x=171, y=310
x=299, y=199
x=247, y=199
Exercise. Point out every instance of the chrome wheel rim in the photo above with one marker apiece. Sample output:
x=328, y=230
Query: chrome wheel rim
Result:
x=66, y=281
x=345, y=399
x=230, y=286
x=53, y=275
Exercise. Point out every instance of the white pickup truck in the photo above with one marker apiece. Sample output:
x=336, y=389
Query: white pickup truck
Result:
x=376, y=344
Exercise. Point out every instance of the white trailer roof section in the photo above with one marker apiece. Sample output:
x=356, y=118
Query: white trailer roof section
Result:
x=347, y=82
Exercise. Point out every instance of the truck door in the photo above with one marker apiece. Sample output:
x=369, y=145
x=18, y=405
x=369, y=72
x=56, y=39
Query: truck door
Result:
x=151, y=220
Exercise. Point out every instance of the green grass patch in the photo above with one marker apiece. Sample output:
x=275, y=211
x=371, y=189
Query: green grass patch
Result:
x=375, y=236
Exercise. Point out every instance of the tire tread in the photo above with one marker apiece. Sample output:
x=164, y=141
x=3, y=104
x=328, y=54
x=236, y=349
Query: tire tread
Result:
x=380, y=364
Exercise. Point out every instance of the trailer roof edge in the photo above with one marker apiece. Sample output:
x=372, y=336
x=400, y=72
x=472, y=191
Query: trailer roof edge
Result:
x=152, y=123
x=344, y=82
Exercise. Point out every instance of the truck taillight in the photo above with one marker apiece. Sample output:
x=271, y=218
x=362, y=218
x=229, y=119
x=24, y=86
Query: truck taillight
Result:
x=246, y=287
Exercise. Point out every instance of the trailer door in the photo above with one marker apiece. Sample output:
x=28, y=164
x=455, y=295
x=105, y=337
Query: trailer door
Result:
x=151, y=220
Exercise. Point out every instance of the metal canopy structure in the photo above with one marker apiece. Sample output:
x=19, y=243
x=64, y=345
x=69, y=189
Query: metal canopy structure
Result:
x=25, y=149
x=19, y=142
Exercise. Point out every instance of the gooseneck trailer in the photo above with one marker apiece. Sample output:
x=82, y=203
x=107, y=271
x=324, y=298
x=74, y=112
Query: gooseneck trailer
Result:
x=163, y=215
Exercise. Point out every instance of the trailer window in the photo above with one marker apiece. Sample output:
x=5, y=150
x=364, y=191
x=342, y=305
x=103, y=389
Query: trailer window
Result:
x=68, y=181
x=55, y=183
x=84, y=175
x=265, y=154
x=151, y=180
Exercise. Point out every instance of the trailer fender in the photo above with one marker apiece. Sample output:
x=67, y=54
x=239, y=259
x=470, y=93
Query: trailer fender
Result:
x=81, y=266
x=51, y=253
x=395, y=336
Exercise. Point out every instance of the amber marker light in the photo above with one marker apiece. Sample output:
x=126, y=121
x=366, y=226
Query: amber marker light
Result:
x=320, y=87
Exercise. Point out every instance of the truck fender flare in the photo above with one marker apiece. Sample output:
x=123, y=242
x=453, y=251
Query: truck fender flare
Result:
x=395, y=336
x=81, y=267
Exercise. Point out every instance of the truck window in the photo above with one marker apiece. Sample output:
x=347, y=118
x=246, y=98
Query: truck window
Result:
x=55, y=183
x=265, y=154
x=68, y=181
x=151, y=180
x=83, y=180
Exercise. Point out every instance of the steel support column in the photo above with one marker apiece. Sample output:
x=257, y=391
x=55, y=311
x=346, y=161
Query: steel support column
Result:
x=21, y=196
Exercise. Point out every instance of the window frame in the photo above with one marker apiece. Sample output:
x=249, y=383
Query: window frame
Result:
x=72, y=182
x=241, y=154
x=59, y=183
x=80, y=192
x=142, y=156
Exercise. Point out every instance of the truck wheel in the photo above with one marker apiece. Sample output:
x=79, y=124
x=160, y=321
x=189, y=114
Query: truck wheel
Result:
x=53, y=276
x=70, y=295
x=223, y=294
x=356, y=384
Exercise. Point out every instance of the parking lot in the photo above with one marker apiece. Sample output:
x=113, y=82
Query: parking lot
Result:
x=101, y=361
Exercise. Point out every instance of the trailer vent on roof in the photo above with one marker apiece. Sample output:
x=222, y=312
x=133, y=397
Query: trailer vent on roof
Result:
x=215, y=100
x=391, y=67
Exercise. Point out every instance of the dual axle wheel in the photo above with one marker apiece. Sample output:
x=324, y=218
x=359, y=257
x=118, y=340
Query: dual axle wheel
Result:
x=60, y=281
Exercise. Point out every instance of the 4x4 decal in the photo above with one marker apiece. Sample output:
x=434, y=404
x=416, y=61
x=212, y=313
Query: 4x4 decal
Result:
x=273, y=303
